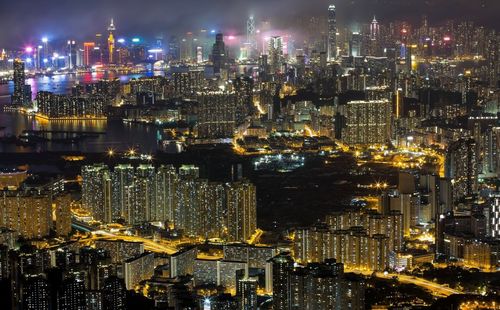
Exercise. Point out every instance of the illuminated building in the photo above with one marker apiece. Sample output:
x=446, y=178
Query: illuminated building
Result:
x=88, y=53
x=216, y=115
x=186, y=48
x=368, y=122
x=482, y=254
x=114, y=294
x=96, y=192
x=494, y=216
x=332, y=33
x=167, y=179
x=122, y=180
x=12, y=178
x=281, y=266
x=22, y=92
x=120, y=250
x=314, y=286
x=52, y=106
x=219, y=54
x=187, y=83
x=248, y=294
x=355, y=45
x=241, y=210
x=182, y=262
x=275, y=51
x=35, y=293
x=143, y=207
x=111, y=43
x=71, y=294
x=29, y=212
x=138, y=268
x=461, y=168
x=489, y=161
x=255, y=256
x=374, y=29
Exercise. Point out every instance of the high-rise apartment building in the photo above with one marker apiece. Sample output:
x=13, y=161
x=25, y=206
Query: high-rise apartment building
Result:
x=368, y=122
x=216, y=115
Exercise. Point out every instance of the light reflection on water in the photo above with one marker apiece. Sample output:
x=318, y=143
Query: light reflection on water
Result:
x=119, y=136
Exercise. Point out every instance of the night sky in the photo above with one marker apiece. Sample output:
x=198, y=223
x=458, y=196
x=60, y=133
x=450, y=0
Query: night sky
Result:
x=24, y=21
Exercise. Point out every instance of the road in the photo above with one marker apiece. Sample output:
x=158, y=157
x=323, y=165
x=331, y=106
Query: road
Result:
x=435, y=288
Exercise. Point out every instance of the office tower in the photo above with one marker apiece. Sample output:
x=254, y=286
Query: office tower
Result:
x=219, y=54
x=216, y=115
x=111, y=43
x=281, y=266
x=368, y=122
x=248, y=294
x=114, y=294
x=241, y=210
x=332, y=33
x=35, y=293
x=374, y=29
x=122, y=182
x=355, y=44
x=88, y=54
x=461, y=168
x=22, y=92
x=275, y=51
x=96, y=192
x=251, y=37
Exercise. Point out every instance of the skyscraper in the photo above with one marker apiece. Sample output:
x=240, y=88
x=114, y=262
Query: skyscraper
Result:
x=216, y=115
x=22, y=92
x=111, y=42
x=88, y=51
x=332, y=32
x=96, y=191
x=219, y=53
x=461, y=168
x=275, y=53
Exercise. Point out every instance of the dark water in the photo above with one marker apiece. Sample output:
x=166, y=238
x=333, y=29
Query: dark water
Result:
x=119, y=136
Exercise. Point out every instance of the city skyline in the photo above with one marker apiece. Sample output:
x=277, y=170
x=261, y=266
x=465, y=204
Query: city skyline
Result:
x=59, y=20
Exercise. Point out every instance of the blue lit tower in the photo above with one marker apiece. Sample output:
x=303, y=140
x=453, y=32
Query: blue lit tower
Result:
x=332, y=33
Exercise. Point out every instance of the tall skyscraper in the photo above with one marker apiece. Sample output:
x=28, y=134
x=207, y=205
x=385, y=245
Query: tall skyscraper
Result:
x=22, y=92
x=275, y=51
x=88, y=51
x=374, y=29
x=96, y=191
x=332, y=32
x=219, y=56
x=111, y=43
x=461, y=168
x=241, y=210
